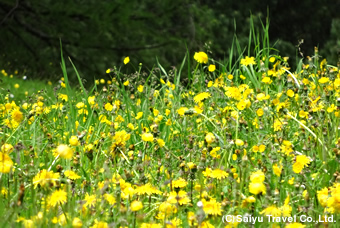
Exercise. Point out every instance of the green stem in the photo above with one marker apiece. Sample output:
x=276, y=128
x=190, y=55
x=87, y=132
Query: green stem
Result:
x=134, y=219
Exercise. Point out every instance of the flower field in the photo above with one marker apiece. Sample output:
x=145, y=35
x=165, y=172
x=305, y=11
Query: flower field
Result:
x=178, y=148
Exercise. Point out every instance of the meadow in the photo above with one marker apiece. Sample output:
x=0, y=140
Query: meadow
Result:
x=195, y=146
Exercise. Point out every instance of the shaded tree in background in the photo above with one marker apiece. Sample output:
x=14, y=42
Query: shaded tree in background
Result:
x=317, y=22
x=99, y=34
x=95, y=34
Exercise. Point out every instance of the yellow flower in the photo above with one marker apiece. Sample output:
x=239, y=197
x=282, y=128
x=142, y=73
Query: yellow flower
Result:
x=301, y=162
x=140, y=88
x=16, y=86
x=260, y=112
x=91, y=100
x=332, y=108
x=290, y=93
x=139, y=115
x=155, y=112
x=64, y=151
x=212, y=207
x=257, y=177
x=17, y=115
x=286, y=209
x=233, y=92
x=58, y=197
x=297, y=167
x=63, y=97
x=305, y=81
x=241, y=105
x=262, y=148
x=127, y=192
x=218, y=174
x=45, y=178
x=181, y=198
x=161, y=143
x=108, y=107
x=247, y=201
x=110, y=198
x=151, y=225
x=267, y=80
x=337, y=82
x=305, y=194
x=182, y=110
x=333, y=201
x=212, y=68
x=272, y=59
x=295, y=225
x=323, y=196
x=147, y=189
x=126, y=60
x=80, y=105
x=120, y=139
x=73, y=141
x=191, y=165
x=147, y=137
x=255, y=149
x=210, y=138
x=278, y=125
x=90, y=200
x=277, y=170
x=4, y=191
x=303, y=159
x=174, y=223
x=239, y=142
x=28, y=223
x=130, y=126
x=251, y=199
x=7, y=148
x=303, y=114
x=323, y=80
x=180, y=183
x=262, y=96
x=201, y=96
x=136, y=206
x=5, y=163
x=126, y=83
x=166, y=208
x=247, y=61
x=71, y=175
x=25, y=106
x=77, y=223
x=100, y=225
x=213, y=152
x=272, y=210
x=201, y=57
x=156, y=93
x=257, y=188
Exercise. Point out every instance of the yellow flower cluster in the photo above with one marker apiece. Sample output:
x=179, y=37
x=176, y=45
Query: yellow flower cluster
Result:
x=154, y=152
x=256, y=185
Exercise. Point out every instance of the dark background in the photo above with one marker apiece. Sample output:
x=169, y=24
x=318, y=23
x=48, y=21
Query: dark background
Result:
x=99, y=34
